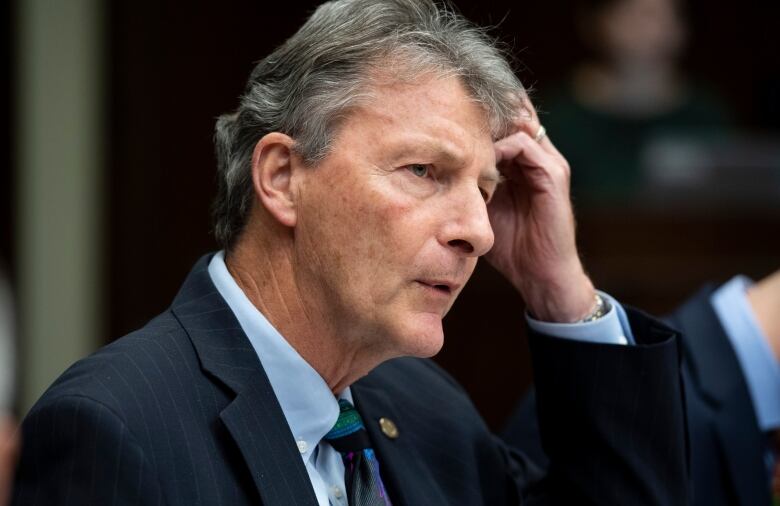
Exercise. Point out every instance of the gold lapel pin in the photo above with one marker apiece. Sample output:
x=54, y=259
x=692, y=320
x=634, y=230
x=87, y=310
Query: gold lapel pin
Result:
x=388, y=427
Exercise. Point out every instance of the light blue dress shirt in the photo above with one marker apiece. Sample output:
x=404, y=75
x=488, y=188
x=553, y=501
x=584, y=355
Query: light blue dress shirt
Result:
x=612, y=328
x=759, y=365
x=309, y=406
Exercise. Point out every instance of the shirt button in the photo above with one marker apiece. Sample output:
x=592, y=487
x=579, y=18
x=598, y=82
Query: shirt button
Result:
x=302, y=445
x=336, y=491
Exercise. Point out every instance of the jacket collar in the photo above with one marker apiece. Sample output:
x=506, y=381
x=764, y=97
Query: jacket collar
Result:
x=254, y=418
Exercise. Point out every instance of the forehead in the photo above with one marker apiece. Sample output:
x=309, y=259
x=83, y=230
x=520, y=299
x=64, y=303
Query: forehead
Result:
x=427, y=93
x=428, y=114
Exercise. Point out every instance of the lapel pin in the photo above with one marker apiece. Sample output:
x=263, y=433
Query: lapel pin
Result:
x=388, y=427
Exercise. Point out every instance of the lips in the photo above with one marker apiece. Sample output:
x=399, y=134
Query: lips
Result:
x=445, y=287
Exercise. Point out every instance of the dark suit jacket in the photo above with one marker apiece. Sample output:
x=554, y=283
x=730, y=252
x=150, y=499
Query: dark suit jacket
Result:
x=181, y=412
x=727, y=446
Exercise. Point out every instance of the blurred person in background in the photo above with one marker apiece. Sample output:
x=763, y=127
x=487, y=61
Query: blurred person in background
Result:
x=731, y=340
x=9, y=435
x=629, y=91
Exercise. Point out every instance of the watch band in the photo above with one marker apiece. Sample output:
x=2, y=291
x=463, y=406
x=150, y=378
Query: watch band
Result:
x=600, y=308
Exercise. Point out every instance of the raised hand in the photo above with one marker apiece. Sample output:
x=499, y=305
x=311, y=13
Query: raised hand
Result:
x=534, y=226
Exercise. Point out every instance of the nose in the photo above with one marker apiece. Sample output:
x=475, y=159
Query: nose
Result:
x=467, y=229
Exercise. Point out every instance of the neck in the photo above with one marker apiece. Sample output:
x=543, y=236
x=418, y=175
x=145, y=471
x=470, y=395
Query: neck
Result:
x=764, y=298
x=264, y=267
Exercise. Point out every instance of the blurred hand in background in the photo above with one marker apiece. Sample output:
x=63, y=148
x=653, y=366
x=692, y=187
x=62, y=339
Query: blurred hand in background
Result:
x=9, y=435
x=9, y=450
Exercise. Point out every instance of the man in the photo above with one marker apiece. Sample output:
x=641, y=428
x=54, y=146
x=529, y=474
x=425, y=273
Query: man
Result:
x=358, y=185
x=731, y=338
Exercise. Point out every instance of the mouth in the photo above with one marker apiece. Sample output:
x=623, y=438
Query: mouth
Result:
x=442, y=287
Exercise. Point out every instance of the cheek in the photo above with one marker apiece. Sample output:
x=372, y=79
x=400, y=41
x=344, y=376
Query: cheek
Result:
x=379, y=213
x=355, y=230
x=383, y=233
x=366, y=235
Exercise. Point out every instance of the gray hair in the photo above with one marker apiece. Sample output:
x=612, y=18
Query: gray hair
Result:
x=314, y=79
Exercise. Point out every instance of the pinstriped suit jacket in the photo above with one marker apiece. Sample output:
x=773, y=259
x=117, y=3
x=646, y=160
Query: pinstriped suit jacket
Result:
x=727, y=445
x=181, y=412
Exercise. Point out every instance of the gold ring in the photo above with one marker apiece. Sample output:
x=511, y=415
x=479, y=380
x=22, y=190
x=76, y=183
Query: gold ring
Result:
x=540, y=134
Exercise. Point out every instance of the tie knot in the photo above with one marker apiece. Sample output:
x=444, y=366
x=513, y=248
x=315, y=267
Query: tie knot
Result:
x=349, y=433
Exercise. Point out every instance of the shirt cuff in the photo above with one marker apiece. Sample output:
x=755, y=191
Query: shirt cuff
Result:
x=612, y=328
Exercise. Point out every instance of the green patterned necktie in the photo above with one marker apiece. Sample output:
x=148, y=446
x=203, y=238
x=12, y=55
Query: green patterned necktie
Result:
x=361, y=468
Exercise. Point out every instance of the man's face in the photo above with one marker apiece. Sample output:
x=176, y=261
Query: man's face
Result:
x=391, y=223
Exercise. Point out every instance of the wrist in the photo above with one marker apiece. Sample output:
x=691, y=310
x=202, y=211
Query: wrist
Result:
x=774, y=343
x=561, y=302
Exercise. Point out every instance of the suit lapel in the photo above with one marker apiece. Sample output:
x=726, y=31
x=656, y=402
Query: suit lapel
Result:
x=408, y=481
x=719, y=379
x=254, y=418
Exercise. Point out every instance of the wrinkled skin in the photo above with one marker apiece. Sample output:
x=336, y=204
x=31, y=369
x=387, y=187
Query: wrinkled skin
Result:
x=357, y=259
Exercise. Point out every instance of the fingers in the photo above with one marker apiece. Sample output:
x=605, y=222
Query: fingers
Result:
x=521, y=148
x=527, y=120
x=547, y=144
x=9, y=448
x=524, y=152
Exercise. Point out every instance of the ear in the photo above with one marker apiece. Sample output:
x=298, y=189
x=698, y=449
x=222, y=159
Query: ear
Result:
x=273, y=162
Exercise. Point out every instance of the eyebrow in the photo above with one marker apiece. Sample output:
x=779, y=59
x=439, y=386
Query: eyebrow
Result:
x=491, y=175
x=450, y=156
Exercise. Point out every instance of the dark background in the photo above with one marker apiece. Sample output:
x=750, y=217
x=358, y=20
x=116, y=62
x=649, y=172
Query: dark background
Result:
x=173, y=67
x=6, y=160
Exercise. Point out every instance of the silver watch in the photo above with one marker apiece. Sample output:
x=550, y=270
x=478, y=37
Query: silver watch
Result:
x=600, y=308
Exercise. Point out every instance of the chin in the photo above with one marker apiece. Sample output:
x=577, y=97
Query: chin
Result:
x=423, y=336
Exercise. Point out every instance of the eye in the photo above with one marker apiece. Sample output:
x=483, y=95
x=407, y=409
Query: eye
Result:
x=419, y=169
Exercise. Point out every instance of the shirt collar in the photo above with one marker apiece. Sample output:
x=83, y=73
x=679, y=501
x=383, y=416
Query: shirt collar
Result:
x=751, y=346
x=309, y=406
